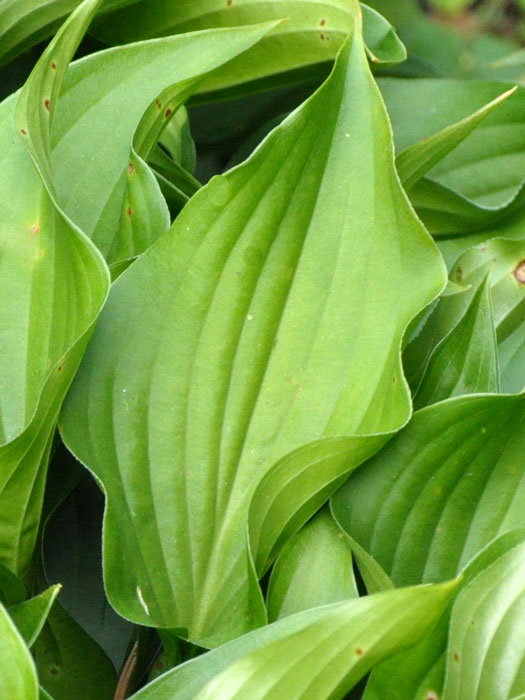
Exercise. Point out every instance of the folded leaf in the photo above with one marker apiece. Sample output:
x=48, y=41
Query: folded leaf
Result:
x=312, y=33
x=466, y=360
x=416, y=160
x=30, y=616
x=268, y=320
x=502, y=263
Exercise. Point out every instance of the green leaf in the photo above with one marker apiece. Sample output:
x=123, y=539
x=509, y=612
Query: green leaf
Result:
x=53, y=286
x=17, y=671
x=312, y=34
x=12, y=589
x=71, y=666
x=30, y=616
x=416, y=160
x=466, y=360
x=441, y=490
x=419, y=673
x=277, y=301
x=314, y=569
x=72, y=555
x=317, y=654
x=125, y=98
x=502, y=262
x=25, y=23
x=486, y=645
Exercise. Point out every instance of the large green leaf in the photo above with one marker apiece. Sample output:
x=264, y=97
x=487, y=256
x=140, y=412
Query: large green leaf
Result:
x=486, y=649
x=317, y=654
x=53, y=285
x=443, y=489
x=17, y=671
x=312, y=34
x=315, y=568
x=456, y=464
x=57, y=281
x=254, y=346
x=501, y=262
x=419, y=673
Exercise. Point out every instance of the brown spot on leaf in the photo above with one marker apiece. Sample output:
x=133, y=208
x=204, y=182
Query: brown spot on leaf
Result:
x=59, y=368
x=23, y=132
x=322, y=36
x=159, y=104
x=47, y=104
x=131, y=168
x=53, y=671
x=322, y=23
x=519, y=272
x=459, y=274
x=359, y=652
x=169, y=112
x=129, y=212
x=455, y=656
x=53, y=65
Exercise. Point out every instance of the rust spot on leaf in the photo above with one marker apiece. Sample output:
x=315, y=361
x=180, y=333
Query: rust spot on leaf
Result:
x=131, y=168
x=229, y=3
x=53, y=671
x=519, y=272
x=322, y=36
x=59, y=368
x=129, y=212
x=169, y=112
x=159, y=665
x=47, y=104
x=53, y=65
x=159, y=104
x=36, y=228
x=322, y=23
x=394, y=380
x=23, y=132
x=459, y=274
x=455, y=656
x=359, y=652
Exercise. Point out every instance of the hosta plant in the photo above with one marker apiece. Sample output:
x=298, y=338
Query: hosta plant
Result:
x=262, y=354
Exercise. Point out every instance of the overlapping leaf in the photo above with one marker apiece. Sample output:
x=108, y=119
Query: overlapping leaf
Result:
x=318, y=654
x=255, y=333
x=53, y=285
x=441, y=491
x=314, y=569
x=312, y=34
x=502, y=263
x=57, y=281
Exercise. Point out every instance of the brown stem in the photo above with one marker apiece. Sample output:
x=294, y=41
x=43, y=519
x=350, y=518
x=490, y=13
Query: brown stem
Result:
x=121, y=693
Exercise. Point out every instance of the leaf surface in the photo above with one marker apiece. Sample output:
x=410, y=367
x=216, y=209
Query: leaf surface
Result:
x=253, y=331
x=30, y=616
x=314, y=569
x=319, y=654
x=17, y=671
